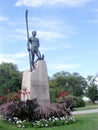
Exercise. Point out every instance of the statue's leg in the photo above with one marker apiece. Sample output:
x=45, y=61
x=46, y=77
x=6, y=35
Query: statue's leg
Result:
x=38, y=54
x=33, y=56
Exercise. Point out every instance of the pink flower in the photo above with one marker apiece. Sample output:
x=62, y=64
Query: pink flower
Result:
x=19, y=91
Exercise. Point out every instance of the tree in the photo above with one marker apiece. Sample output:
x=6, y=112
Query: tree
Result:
x=74, y=83
x=61, y=74
x=92, y=92
x=89, y=77
x=10, y=77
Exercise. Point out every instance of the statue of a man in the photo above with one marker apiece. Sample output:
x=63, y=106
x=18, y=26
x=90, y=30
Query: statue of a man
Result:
x=34, y=48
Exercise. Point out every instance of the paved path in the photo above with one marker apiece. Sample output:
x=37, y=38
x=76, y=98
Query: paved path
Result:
x=85, y=111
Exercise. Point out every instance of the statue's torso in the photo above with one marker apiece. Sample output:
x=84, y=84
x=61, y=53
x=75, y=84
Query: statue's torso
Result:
x=34, y=42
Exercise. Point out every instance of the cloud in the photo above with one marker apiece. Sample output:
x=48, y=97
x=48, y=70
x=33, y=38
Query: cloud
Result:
x=2, y=18
x=50, y=34
x=94, y=20
x=7, y=60
x=44, y=22
x=95, y=10
x=20, y=55
x=12, y=57
x=66, y=66
x=57, y=29
x=56, y=47
x=38, y=3
x=93, y=52
x=9, y=30
x=62, y=66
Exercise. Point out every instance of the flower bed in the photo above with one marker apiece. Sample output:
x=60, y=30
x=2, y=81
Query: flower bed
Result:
x=31, y=114
x=52, y=121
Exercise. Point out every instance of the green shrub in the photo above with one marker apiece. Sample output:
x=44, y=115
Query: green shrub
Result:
x=77, y=101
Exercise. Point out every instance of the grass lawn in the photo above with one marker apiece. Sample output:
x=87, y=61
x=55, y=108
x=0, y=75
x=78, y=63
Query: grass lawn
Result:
x=83, y=122
x=87, y=107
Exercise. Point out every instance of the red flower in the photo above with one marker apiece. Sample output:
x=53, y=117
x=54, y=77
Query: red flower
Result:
x=16, y=95
x=62, y=94
x=11, y=99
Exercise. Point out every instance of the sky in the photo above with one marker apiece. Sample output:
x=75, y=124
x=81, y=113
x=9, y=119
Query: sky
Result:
x=67, y=31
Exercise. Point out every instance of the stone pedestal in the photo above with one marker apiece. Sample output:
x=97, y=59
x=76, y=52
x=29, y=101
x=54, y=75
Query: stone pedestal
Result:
x=35, y=84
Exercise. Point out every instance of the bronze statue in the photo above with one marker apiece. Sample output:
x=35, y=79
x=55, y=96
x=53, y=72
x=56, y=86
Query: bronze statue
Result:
x=32, y=46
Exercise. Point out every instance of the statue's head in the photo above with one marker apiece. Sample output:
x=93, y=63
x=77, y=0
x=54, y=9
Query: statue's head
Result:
x=34, y=33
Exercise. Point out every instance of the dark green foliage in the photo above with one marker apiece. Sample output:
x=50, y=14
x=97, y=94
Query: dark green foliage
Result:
x=92, y=92
x=76, y=101
x=96, y=97
x=73, y=83
x=61, y=74
x=10, y=78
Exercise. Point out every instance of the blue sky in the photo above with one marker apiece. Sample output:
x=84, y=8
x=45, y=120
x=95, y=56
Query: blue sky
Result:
x=67, y=30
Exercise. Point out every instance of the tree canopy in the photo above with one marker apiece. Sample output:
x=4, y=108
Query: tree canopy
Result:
x=92, y=92
x=73, y=83
x=10, y=77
